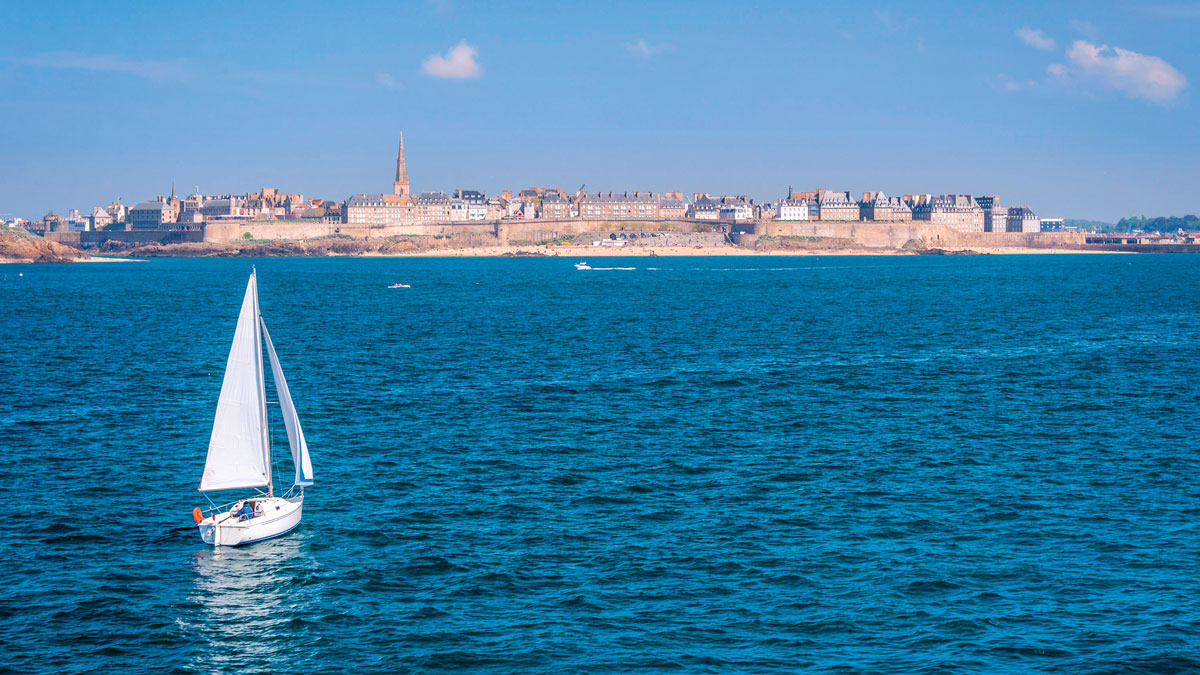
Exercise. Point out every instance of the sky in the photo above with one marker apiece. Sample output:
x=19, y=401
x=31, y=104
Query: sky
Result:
x=1076, y=109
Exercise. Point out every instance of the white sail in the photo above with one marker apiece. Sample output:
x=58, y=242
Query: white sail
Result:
x=291, y=421
x=238, y=455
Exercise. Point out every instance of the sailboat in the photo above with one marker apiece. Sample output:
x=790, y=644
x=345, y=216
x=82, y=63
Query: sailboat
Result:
x=239, y=450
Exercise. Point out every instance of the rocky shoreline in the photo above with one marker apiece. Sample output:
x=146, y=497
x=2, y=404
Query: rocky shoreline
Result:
x=20, y=246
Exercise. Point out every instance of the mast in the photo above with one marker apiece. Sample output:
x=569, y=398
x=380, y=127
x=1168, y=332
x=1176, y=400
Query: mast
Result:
x=262, y=383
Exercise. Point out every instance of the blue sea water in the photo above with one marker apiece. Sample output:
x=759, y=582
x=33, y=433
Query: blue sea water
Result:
x=700, y=465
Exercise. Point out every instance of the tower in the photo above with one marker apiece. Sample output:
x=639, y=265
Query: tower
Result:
x=400, y=187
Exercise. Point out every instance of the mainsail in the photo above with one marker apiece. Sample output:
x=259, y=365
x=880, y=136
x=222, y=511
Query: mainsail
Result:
x=238, y=454
x=304, y=473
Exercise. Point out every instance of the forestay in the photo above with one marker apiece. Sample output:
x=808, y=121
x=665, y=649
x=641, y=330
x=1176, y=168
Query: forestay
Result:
x=291, y=421
x=237, y=450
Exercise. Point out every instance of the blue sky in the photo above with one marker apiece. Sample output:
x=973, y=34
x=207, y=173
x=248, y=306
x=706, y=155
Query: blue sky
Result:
x=1077, y=109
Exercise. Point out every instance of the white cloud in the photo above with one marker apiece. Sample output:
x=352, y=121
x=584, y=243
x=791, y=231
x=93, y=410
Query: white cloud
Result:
x=176, y=70
x=386, y=81
x=458, y=63
x=1006, y=84
x=1035, y=37
x=645, y=49
x=1136, y=75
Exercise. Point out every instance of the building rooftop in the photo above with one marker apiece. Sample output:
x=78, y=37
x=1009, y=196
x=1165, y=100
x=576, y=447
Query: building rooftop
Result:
x=831, y=197
x=363, y=199
x=620, y=197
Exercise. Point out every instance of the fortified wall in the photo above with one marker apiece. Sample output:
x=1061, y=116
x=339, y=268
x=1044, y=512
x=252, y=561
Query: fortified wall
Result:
x=767, y=234
x=487, y=233
x=916, y=233
x=131, y=237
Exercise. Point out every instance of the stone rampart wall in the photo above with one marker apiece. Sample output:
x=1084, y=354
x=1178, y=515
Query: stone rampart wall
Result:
x=132, y=237
x=499, y=231
x=234, y=230
x=915, y=233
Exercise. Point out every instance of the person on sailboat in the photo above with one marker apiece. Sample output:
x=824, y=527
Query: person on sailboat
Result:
x=246, y=512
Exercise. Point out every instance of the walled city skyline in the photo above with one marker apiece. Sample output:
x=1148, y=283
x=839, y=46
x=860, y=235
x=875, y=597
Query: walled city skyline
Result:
x=401, y=207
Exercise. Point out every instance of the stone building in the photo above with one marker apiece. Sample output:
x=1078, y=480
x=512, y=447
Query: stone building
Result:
x=494, y=209
x=224, y=208
x=192, y=202
x=1022, y=219
x=877, y=206
x=523, y=209
x=271, y=203
x=555, y=206
x=154, y=215
x=736, y=209
x=476, y=204
x=117, y=212
x=99, y=219
x=672, y=207
x=836, y=206
x=468, y=206
x=705, y=207
x=793, y=209
x=995, y=217
x=433, y=207
x=379, y=210
x=958, y=212
x=619, y=206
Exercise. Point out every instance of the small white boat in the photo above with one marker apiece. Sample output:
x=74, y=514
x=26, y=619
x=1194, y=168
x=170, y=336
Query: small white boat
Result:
x=399, y=286
x=239, y=450
x=582, y=266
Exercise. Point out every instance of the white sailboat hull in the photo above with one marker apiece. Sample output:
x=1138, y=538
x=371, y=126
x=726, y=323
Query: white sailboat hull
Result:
x=274, y=517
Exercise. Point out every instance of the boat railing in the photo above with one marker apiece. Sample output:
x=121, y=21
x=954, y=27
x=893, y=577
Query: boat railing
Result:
x=223, y=508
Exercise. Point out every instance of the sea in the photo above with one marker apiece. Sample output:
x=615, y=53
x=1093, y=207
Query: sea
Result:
x=906, y=464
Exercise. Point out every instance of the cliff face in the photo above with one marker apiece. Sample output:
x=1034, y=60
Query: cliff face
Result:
x=19, y=246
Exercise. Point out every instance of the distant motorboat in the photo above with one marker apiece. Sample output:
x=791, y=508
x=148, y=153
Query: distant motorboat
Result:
x=239, y=450
x=399, y=286
x=582, y=266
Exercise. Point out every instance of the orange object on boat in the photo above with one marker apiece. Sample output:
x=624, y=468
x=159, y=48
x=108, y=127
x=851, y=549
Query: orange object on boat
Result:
x=197, y=515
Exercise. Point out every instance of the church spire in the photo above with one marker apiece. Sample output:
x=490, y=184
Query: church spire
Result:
x=400, y=187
